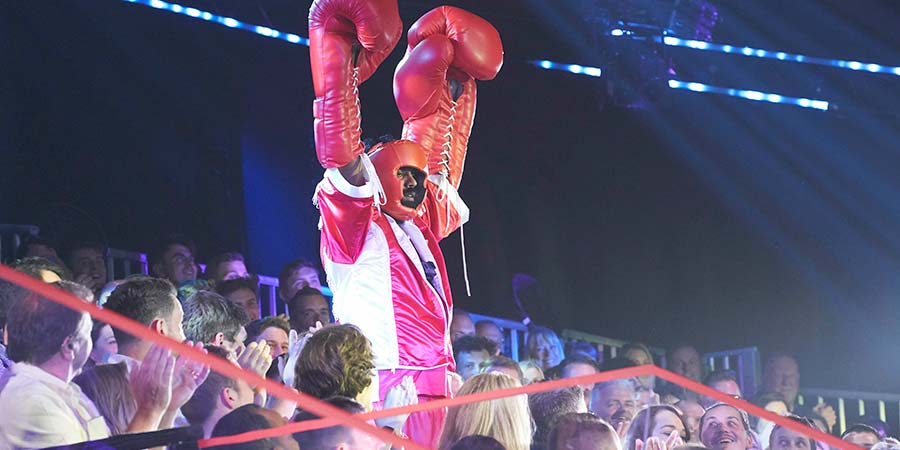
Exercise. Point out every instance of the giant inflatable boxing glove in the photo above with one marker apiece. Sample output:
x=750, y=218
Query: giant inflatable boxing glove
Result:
x=348, y=39
x=434, y=85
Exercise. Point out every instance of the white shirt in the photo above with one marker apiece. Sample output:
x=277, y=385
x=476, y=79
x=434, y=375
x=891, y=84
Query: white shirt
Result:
x=39, y=410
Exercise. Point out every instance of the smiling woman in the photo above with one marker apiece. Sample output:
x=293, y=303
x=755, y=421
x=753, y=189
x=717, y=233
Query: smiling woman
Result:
x=662, y=422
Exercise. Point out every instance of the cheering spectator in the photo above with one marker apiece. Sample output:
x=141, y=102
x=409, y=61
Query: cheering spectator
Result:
x=274, y=330
x=250, y=418
x=786, y=439
x=216, y=397
x=42, y=269
x=470, y=351
x=242, y=292
x=87, y=260
x=579, y=365
x=502, y=364
x=781, y=374
x=297, y=275
x=152, y=302
x=583, y=432
x=173, y=259
x=861, y=435
x=531, y=371
x=107, y=386
x=548, y=406
x=337, y=360
x=307, y=307
x=213, y=320
x=461, y=324
x=492, y=332
x=105, y=343
x=226, y=266
x=614, y=402
x=544, y=345
x=506, y=419
x=691, y=412
x=724, y=427
x=640, y=355
x=662, y=423
x=724, y=381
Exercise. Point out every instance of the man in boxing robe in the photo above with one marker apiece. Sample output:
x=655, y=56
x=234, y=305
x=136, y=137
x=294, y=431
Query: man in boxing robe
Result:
x=384, y=212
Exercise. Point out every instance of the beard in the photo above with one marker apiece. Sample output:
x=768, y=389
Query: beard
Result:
x=412, y=198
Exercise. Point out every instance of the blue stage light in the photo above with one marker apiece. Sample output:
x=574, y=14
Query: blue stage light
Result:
x=571, y=68
x=226, y=21
x=751, y=95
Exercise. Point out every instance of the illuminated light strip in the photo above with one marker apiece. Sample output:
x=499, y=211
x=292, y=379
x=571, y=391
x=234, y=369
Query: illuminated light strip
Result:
x=821, y=105
x=769, y=54
x=572, y=68
x=222, y=20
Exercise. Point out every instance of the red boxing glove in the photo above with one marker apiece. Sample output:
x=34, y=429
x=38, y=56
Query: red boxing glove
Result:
x=348, y=39
x=434, y=85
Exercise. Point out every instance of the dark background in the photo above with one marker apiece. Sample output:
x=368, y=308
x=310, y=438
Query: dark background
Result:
x=714, y=220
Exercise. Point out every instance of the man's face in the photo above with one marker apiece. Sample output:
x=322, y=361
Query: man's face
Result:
x=784, y=439
x=579, y=369
x=88, y=268
x=722, y=428
x=685, y=361
x=413, y=182
x=246, y=299
x=300, y=278
x=691, y=412
x=614, y=403
x=81, y=343
x=782, y=375
x=467, y=363
x=461, y=325
x=231, y=270
x=277, y=340
x=177, y=265
x=861, y=438
x=173, y=326
x=491, y=332
x=313, y=308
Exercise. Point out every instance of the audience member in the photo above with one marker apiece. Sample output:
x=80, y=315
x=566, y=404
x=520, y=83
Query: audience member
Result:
x=685, y=361
x=580, y=347
x=531, y=371
x=781, y=374
x=640, y=355
x=87, y=260
x=187, y=289
x=152, y=302
x=107, y=386
x=42, y=269
x=724, y=427
x=242, y=292
x=691, y=412
x=307, y=307
x=226, y=266
x=582, y=431
x=502, y=364
x=213, y=320
x=39, y=246
x=216, y=397
x=478, y=442
x=104, y=343
x=614, y=402
x=489, y=330
x=785, y=439
x=336, y=437
x=506, y=419
x=337, y=361
x=274, y=330
x=546, y=407
x=770, y=401
x=579, y=365
x=724, y=381
x=470, y=351
x=297, y=275
x=663, y=423
x=107, y=289
x=173, y=259
x=79, y=290
x=544, y=345
x=461, y=324
x=251, y=418
x=861, y=435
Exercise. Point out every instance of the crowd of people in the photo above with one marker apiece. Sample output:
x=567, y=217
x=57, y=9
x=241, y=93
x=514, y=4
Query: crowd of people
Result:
x=65, y=378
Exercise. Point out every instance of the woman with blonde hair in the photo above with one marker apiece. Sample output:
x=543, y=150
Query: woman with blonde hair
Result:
x=505, y=419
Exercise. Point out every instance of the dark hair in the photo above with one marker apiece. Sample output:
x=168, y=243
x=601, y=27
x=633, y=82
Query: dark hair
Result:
x=581, y=347
x=202, y=403
x=717, y=376
x=578, y=358
x=38, y=327
x=337, y=360
x=798, y=419
x=79, y=290
x=329, y=437
x=82, y=245
x=188, y=288
x=241, y=420
x=33, y=265
x=478, y=442
x=473, y=343
x=207, y=314
x=30, y=240
x=292, y=267
x=501, y=361
x=229, y=286
x=213, y=263
x=107, y=387
x=255, y=328
x=142, y=299
x=619, y=362
x=644, y=422
x=546, y=407
x=8, y=292
x=860, y=428
x=156, y=255
x=570, y=426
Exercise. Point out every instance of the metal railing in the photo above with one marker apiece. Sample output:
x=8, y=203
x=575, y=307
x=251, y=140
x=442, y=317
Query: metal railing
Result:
x=514, y=333
x=743, y=361
x=122, y=263
x=608, y=348
x=11, y=237
x=854, y=406
x=267, y=290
